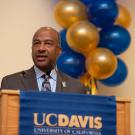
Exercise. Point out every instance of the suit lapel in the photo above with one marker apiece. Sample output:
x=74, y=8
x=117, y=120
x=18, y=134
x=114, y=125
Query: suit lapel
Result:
x=59, y=82
x=29, y=79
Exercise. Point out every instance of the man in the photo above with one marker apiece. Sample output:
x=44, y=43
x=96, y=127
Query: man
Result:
x=45, y=50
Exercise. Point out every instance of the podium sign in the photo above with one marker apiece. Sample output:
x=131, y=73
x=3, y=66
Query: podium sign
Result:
x=44, y=113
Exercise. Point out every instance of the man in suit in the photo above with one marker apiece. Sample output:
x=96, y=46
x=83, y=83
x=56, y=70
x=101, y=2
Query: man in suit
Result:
x=45, y=50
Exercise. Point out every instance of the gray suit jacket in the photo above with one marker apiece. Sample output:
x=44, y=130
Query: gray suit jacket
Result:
x=26, y=80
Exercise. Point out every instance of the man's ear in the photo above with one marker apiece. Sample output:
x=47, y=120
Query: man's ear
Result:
x=59, y=51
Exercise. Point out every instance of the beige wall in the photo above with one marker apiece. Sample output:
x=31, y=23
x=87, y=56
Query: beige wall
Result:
x=18, y=21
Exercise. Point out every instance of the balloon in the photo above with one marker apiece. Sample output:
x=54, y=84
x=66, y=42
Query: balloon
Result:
x=64, y=44
x=124, y=18
x=101, y=63
x=68, y=12
x=119, y=76
x=87, y=2
x=103, y=12
x=71, y=63
x=115, y=38
x=82, y=37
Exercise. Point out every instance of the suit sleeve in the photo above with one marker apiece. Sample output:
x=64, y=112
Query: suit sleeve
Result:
x=4, y=83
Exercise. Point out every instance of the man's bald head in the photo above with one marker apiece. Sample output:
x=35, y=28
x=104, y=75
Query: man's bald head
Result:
x=43, y=29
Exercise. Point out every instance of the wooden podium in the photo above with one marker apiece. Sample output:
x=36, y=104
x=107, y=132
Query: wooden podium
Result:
x=9, y=114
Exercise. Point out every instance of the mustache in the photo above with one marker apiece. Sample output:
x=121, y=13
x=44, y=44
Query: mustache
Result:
x=42, y=54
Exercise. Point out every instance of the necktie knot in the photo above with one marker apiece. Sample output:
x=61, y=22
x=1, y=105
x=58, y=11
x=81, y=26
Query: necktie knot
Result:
x=45, y=77
x=46, y=84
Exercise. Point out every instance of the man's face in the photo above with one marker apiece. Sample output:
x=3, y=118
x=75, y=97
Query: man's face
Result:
x=45, y=48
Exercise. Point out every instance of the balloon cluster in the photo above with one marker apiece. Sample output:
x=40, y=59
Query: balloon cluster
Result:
x=94, y=33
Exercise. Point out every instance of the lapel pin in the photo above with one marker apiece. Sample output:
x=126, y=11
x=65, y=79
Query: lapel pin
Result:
x=64, y=84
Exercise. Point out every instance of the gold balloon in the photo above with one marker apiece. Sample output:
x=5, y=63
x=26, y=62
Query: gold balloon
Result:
x=101, y=63
x=68, y=12
x=82, y=37
x=124, y=18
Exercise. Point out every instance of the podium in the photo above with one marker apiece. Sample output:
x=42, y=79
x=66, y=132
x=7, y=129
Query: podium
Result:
x=9, y=114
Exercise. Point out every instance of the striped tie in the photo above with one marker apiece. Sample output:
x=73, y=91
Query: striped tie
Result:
x=46, y=84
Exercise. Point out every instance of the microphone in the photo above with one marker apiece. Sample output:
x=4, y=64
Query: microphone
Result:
x=22, y=73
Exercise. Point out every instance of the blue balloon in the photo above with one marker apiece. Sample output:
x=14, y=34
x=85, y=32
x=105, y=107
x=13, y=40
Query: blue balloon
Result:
x=71, y=63
x=119, y=76
x=64, y=44
x=103, y=12
x=116, y=38
x=87, y=2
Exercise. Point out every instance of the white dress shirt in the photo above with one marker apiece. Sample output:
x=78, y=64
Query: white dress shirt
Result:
x=40, y=79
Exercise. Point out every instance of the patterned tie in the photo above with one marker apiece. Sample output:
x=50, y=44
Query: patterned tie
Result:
x=46, y=84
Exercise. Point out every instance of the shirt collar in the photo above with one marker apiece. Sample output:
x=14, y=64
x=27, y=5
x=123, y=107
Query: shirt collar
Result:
x=39, y=73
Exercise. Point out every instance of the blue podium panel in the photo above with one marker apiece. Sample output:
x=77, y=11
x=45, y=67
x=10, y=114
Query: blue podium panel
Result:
x=43, y=113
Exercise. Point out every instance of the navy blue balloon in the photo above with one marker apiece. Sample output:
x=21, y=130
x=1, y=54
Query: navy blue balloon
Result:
x=73, y=64
x=103, y=12
x=119, y=76
x=116, y=38
x=64, y=44
x=87, y=2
